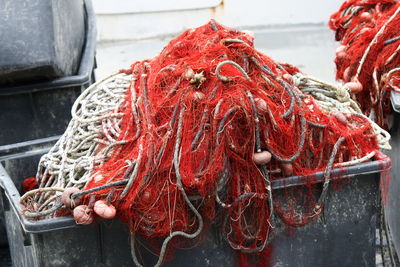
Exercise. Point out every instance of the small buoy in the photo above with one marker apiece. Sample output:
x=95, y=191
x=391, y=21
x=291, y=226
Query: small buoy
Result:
x=287, y=169
x=341, y=51
x=197, y=96
x=355, y=86
x=346, y=74
x=287, y=77
x=67, y=200
x=83, y=215
x=365, y=17
x=98, y=177
x=341, y=55
x=341, y=117
x=263, y=157
x=146, y=196
x=365, y=30
x=260, y=104
x=103, y=210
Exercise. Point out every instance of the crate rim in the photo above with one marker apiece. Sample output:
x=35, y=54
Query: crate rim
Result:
x=380, y=164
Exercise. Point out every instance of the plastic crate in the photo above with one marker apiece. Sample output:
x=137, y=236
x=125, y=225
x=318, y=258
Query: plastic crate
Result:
x=41, y=110
x=345, y=236
x=3, y=234
x=21, y=150
x=392, y=207
x=42, y=39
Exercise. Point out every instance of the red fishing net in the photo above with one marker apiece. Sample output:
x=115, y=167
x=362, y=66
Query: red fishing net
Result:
x=368, y=59
x=204, y=136
x=196, y=119
x=29, y=184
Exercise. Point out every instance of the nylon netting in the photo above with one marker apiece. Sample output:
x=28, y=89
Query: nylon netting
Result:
x=196, y=136
x=368, y=58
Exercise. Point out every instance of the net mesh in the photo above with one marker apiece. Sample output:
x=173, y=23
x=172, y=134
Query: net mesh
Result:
x=196, y=137
x=368, y=58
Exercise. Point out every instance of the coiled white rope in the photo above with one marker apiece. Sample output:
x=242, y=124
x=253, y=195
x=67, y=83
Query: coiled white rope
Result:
x=336, y=99
x=89, y=138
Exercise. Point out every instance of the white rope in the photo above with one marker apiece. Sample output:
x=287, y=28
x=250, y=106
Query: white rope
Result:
x=374, y=40
x=94, y=131
x=336, y=99
x=387, y=76
x=90, y=136
x=356, y=161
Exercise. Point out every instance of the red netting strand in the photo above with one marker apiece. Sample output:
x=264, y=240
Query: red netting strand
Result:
x=368, y=58
x=194, y=116
x=204, y=131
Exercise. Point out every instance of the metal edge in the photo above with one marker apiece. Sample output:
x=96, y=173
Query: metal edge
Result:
x=30, y=142
x=17, y=150
x=24, y=154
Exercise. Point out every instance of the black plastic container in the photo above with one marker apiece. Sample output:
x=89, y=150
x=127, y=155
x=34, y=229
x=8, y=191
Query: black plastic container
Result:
x=41, y=39
x=392, y=207
x=3, y=233
x=22, y=150
x=41, y=110
x=345, y=236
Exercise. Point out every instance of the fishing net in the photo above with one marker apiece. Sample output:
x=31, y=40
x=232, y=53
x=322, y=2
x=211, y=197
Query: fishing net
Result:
x=368, y=58
x=196, y=136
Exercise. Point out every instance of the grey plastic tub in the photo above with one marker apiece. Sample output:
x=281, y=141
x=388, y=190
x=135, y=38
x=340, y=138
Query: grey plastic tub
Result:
x=42, y=111
x=38, y=110
x=41, y=39
x=392, y=207
x=21, y=150
x=345, y=236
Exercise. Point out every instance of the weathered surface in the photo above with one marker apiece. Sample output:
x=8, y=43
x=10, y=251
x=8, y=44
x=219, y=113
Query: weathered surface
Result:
x=42, y=39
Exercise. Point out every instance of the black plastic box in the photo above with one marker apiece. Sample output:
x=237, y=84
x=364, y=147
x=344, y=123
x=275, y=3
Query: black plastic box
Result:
x=21, y=150
x=346, y=236
x=41, y=39
x=392, y=207
x=40, y=110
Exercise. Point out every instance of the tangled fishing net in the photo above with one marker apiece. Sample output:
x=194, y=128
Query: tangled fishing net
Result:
x=196, y=136
x=368, y=58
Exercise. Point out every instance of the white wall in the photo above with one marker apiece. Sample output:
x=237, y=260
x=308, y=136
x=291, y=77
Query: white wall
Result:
x=132, y=20
x=272, y=12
